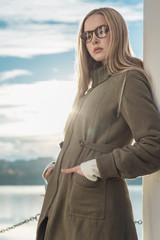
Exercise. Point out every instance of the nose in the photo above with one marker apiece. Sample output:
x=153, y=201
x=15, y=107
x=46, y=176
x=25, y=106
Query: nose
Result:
x=95, y=39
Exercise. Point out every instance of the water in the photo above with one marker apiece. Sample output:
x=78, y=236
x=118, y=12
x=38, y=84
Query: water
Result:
x=136, y=198
x=18, y=203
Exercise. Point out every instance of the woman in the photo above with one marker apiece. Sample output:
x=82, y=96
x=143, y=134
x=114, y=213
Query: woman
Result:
x=87, y=196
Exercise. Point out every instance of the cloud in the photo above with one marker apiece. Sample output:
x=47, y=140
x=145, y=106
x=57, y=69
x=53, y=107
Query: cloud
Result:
x=13, y=148
x=6, y=120
x=37, y=109
x=31, y=39
x=13, y=74
x=62, y=11
x=8, y=106
x=132, y=13
x=47, y=27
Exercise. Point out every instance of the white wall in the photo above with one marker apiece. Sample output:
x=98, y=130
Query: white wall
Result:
x=151, y=183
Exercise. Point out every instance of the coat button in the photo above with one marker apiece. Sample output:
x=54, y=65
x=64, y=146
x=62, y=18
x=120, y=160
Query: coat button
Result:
x=81, y=143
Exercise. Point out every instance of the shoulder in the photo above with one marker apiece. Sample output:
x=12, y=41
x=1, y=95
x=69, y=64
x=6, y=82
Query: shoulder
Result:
x=135, y=77
x=137, y=83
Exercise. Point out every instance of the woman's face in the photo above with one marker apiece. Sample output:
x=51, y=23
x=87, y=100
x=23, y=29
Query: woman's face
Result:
x=97, y=47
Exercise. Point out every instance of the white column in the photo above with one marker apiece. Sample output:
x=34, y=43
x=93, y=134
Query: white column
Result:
x=151, y=183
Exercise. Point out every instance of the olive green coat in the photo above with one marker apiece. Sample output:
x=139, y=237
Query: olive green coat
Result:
x=76, y=208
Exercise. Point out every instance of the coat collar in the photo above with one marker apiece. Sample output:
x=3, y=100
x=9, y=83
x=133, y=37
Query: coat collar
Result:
x=100, y=75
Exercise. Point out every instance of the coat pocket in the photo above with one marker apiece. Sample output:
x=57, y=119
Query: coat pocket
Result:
x=87, y=198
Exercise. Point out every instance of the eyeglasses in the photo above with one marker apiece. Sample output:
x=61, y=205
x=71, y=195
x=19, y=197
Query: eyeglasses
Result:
x=100, y=32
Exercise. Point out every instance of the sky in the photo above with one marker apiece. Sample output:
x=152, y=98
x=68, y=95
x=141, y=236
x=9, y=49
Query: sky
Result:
x=37, y=69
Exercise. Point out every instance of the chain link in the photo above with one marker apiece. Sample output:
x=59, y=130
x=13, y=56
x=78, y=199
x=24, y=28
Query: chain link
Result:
x=138, y=222
x=36, y=218
x=21, y=223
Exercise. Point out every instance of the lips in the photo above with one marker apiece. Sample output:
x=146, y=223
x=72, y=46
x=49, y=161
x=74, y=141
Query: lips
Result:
x=97, y=50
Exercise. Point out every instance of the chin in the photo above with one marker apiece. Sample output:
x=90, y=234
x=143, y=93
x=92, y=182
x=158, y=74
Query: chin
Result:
x=100, y=60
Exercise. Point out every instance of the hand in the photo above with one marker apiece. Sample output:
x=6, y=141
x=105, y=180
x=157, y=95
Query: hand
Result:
x=48, y=172
x=76, y=169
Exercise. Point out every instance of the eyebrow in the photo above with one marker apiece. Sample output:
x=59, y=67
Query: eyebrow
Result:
x=96, y=27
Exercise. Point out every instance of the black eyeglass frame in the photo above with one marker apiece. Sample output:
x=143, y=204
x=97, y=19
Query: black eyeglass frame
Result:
x=82, y=36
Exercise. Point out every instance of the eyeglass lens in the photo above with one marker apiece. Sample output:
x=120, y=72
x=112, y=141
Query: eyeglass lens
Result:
x=100, y=32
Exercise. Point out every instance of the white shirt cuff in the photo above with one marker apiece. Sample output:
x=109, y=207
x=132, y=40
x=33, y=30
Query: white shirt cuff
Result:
x=90, y=169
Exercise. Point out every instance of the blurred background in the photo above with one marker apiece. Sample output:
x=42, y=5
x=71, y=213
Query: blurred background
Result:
x=37, y=79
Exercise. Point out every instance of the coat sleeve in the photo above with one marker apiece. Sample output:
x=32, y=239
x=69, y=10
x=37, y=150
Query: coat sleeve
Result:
x=50, y=165
x=143, y=119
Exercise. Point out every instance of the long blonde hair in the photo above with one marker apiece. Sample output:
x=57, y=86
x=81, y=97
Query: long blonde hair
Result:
x=120, y=57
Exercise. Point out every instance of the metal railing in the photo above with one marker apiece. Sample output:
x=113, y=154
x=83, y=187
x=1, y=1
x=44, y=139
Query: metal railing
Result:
x=36, y=217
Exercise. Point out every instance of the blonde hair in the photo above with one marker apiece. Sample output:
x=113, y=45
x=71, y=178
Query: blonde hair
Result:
x=120, y=57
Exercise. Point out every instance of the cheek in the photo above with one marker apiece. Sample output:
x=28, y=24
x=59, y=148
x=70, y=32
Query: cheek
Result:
x=88, y=47
x=107, y=41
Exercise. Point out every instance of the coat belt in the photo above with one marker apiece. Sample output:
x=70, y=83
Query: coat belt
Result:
x=103, y=148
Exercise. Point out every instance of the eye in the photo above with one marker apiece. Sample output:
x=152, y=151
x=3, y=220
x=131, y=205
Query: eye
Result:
x=101, y=30
x=88, y=36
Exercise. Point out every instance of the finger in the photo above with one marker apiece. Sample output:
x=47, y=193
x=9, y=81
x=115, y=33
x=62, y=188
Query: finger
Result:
x=48, y=171
x=69, y=170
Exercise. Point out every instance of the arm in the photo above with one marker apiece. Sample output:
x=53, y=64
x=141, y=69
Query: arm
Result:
x=142, y=117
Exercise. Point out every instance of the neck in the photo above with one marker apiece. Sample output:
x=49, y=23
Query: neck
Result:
x=104, y=62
